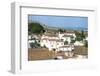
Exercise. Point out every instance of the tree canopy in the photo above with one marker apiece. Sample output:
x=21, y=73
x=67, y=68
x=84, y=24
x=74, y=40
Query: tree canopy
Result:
x=86, y=43
x=80, y=35
x=35, y=28
x=66, y=42
x=61, y=30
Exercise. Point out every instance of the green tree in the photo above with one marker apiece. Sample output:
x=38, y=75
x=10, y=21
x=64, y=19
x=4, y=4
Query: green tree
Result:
x=37, y=44
x=66, y=42
x=35, y=28
x=61, y=30
x=72, y=41
x=77, y=33
x=79, y=39
x=32, y=45
x=80, y=35
x=86, y=43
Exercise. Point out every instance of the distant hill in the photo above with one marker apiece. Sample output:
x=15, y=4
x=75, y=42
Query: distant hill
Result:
x=49, y=27
x=67, y=28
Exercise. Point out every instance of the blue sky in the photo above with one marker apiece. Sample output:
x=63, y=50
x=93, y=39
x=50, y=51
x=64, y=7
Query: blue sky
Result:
x=60, y=21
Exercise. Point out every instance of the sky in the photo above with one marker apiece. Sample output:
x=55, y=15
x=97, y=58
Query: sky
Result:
x=60, y=21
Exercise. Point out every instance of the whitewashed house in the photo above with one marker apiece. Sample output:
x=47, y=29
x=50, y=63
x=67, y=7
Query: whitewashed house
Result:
x=67, y=36
x=51, y=44
x=71, y=34
x=31, y=41
x=79, y=43
x=65, y=48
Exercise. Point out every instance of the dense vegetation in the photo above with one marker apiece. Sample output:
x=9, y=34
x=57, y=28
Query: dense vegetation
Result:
x=66, y=42
x=61, y=30
x=35, y=44
x=86, y=43
x=35, y=28
x=80, y=35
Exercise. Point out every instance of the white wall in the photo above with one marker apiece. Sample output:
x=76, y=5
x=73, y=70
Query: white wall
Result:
x=5, y=33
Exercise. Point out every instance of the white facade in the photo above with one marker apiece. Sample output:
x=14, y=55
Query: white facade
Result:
x=77, y=43
x=67, y=36
x=51, y=43
x=55, y=42
x=31, y=41
x=66, y=48
x=67, y=33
